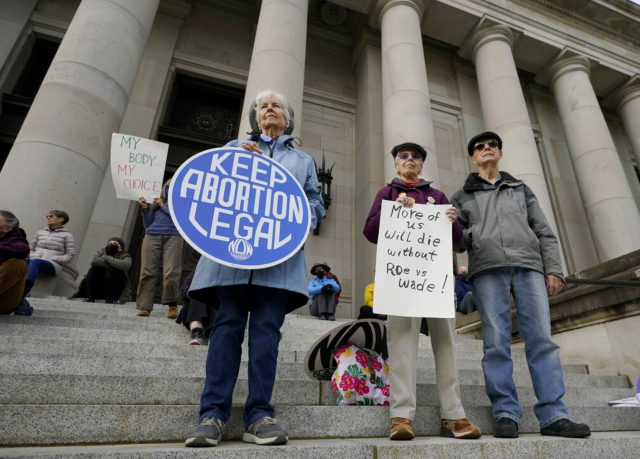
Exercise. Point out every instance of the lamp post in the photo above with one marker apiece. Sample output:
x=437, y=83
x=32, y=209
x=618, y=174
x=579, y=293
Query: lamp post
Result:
x=324, y=178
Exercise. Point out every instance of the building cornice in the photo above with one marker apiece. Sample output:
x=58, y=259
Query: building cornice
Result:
x=590, y=22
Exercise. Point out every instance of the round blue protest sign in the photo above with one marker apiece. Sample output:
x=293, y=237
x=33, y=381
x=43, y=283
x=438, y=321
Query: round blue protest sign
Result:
x=239, y=208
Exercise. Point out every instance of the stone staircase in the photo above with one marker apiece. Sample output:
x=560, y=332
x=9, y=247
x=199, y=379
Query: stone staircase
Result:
x=100, y=380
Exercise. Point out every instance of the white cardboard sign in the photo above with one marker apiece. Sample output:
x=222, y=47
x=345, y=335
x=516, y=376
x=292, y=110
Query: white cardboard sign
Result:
x=137, y=166
x=414, y=262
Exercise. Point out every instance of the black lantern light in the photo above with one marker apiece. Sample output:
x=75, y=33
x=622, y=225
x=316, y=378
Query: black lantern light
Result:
x=324, y=178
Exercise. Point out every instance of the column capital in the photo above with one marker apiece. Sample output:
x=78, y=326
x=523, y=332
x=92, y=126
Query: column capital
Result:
x=570, y=64
x=489, y=33
x=630, y=92
x=488, y=30
x=382, y=6
x=566, y=61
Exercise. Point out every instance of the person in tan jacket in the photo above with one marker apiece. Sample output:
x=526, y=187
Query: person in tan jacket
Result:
x=51, y=249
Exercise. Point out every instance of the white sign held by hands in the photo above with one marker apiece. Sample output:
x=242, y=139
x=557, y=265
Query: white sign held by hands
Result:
x=137, y=166
x=414, y=264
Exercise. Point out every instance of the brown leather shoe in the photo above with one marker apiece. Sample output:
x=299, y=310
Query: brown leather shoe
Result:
x=401, y=429
x=173, y=312
x=143, y=313
x=459, y=428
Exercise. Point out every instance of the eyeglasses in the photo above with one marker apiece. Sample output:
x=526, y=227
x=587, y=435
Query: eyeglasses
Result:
x=480, y=145
x=50, y=216
x=405, y=155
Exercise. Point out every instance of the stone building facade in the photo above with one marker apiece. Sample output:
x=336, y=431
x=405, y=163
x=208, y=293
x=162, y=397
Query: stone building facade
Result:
x=558, y=81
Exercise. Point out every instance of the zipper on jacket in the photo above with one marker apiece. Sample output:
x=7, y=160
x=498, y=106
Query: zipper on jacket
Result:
x=275, y=142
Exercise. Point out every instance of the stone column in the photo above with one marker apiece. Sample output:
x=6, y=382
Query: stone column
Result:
x=611, y=210
x=13, y=18
x=279, y=50
x=505, y=111
x=629, y=110
x=60, y=156
x=406, y=105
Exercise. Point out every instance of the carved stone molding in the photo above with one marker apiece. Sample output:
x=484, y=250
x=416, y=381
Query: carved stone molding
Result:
x=596, y=25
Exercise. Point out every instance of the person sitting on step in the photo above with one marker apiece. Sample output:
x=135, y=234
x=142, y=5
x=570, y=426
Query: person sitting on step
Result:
x=14, y=248
x=322, y=291
x=366, y=311
x=51, y=249
x=107, y=277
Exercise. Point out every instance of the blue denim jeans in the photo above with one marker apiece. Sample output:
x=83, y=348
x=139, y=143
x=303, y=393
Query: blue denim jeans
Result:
x=265, y=309
x=37, y=266
x=492, y=290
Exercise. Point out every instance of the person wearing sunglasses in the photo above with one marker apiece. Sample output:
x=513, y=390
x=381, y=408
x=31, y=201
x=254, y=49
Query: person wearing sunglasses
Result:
x=51, y=249
x=408, y=188
x=513, y=251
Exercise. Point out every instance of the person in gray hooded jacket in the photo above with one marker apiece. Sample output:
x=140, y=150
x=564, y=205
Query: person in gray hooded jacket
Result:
x=513, y=251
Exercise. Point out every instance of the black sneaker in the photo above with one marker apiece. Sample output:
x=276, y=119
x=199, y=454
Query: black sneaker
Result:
x=207, y=433
x=108, y=301
x=89, y=300
x=506, y=428
x=197, y=337
x=566, y=428
x=265, y=431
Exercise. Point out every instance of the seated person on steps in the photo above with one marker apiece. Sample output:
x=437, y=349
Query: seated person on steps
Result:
x=107, y=277
x=366, y=311
x=322, y=291
x=14, y=248
x=51, y=249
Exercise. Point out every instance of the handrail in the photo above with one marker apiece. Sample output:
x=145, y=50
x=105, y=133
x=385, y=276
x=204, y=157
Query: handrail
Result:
x=611, y=283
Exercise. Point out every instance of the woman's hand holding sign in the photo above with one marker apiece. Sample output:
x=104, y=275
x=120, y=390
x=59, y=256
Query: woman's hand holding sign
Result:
x=451, y=213
x=405, y=200
x=252, y=147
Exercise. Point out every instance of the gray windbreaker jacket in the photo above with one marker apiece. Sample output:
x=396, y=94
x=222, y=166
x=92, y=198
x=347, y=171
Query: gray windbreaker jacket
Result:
x=504, y=227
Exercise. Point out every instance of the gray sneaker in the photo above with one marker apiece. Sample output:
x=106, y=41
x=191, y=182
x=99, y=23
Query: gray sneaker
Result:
x=207, y=433
x=265, y=431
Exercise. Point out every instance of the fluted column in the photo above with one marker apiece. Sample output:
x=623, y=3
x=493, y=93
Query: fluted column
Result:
x=505, y=111
x=278, y=55
x=629, y=110
x=405, y=90
x=61, y=154
x=611, y=210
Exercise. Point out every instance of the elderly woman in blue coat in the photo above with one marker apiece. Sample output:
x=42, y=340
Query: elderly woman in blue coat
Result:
x=261, y=296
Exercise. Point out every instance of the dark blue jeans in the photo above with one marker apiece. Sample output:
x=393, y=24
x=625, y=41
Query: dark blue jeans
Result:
x=265, y=309
x=492, y=290
x=37, y=266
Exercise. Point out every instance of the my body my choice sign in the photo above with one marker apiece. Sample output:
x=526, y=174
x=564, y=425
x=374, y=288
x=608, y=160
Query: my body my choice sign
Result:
x=239, y=209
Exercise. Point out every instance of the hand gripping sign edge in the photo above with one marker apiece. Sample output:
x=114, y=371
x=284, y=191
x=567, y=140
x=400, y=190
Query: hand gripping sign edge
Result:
x=180, y=218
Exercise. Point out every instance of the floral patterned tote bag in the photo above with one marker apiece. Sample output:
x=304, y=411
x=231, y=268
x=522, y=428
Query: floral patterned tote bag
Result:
x=362, y=377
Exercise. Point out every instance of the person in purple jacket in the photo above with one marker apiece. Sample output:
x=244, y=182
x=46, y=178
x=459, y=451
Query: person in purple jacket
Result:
x=161, y=246
x=403, y=332
x=14, y=248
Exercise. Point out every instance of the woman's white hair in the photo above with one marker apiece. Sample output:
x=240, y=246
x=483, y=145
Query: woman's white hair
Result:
x=268, y=94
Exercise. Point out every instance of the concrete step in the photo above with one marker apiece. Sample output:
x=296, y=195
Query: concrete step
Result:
x=92, y=424
x=142, y=367
x=17, y=326
x=128, y=315
x=620, y=445
x=38, y=389
x=469, y=360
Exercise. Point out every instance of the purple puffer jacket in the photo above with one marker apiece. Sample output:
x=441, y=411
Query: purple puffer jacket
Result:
x=420, y=192
x=14, y=245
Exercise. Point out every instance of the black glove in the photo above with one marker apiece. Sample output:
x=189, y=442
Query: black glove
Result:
x=327, y=288
x=111, y=249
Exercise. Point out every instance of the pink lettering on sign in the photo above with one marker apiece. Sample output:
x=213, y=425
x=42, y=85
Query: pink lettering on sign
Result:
x=138, y=184
x=128, y=170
